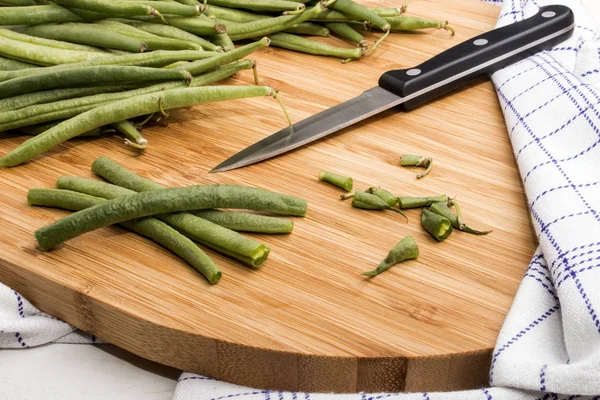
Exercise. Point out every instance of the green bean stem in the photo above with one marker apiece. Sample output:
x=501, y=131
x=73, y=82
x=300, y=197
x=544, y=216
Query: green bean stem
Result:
x=126, y=109
x=368, y=201
x=298, y=43
x=345, y=31
x=246, y=222
x=461, y=225
x=409, y=23
x=384, y=195
x=36, y=15
x=347, y=196
x=88, y=75
x=151, y=228
x=341, y=181
x=418, y=202
x=406, y=249
x=133, y=137
x=439, y=227
x=411, y=160
x=166, y=201
x=225, y=241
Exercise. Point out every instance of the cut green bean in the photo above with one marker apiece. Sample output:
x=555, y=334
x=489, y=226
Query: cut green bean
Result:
x=42, y=55
x=200, y=66
x=89, y=34
x=166, y=201
x=6, y=64
x=259, y=5
x=384, y=195
x=368, y=201
x=173, y=33
x=461, y=225
x=304, y=45
x=225, y=241
x=411, y=160
x=418, y=202
x=115, y=8
x=345, y=31
x=47, y=42
x=103, y=74
x=126, y=109
x=406, y=249
x=246, y=222
x=439, y=227
x=409, y=23
x=36, y=15
x=151, y=228
x=341, y=181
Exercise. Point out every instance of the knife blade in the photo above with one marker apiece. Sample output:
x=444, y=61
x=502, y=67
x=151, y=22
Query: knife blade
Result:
x=412, y=87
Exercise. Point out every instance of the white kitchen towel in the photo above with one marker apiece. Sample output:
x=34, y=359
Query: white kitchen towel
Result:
x=549, y=345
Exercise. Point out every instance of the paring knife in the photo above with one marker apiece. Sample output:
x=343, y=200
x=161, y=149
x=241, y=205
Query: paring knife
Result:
x=412, y=87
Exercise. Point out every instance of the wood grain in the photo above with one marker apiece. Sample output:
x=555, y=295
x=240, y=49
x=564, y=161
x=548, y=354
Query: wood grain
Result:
x=307, y=320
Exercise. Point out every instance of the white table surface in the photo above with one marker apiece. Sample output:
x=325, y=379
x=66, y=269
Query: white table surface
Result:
x=81, y=371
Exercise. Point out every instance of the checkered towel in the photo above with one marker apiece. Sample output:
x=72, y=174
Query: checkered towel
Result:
x=549, y=346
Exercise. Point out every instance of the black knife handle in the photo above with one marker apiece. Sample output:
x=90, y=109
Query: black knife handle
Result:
x=479, y=56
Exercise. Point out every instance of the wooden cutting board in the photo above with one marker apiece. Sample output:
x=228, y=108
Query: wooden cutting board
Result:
x=307, y=320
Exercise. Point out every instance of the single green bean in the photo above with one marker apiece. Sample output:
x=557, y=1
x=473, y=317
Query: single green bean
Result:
x=341, y=181
x=166, y=201
x=200, y=66
x=171, y=7
x=126, y=109
x=223, y=72
x=153, y=41
x=6, y=64
x=172, y=32
x=151, y=228
x=439, y=227
x=42, y=55
x=368, y=201
x=246, y=222
x=223, y=240
x=233, y=15
x=259, y=5
x=35, y=15
x=406, y=249
x=418, y=202
x=89, y=34
x=197, y=26
x=223, y=41
x=411, y=160
x=47, y=42
x=115, y=8
x=363, y=13
x=336, y=16
x=189, y=2
x=345, y=31
x=409, y=23
x=304, y=45
x=88, y=75
x=20, y=3
x=384, y=195
x=34, y=130
x=309, y=28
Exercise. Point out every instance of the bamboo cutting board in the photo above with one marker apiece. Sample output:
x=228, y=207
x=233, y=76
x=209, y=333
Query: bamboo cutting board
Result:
x=307, y=320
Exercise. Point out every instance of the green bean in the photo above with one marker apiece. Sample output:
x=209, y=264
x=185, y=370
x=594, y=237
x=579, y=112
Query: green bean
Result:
x=269, y=26
x=153, y=42
x=88, y=75
x=233, y=15
x=35, y=130
x=223, y=240
x=126, y=109
x=197, y=26
x=222, y=40
x=166, y=201
x=118, y=52
x=341, y=181
x=28, y=99
x=409, y=23
x=411, y=160
x=115, y=8
x=304, y=45
x=89, y=34
x=68, y=108
x=133, y=137
x=172, y=32
x=309, y=28
x=20, y=3
x=42, y=55
x=362, y=12
x=439, y=227
x=189, y=2
x=406, y=249
x=151, y=228
x=6, y=64
x=245, y=222
x=223, y=72
x=336, y=16
x=368, y=201
x=171, y=7
x=200, y=66
x=260, y=5
x=384, y=195
x=345, y=31
x=418, y=202
x=35, y=15
x=47, y=42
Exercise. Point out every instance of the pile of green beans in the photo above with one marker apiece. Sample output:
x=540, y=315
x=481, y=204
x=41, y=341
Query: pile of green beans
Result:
x=173, y=217
x=115, y=27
